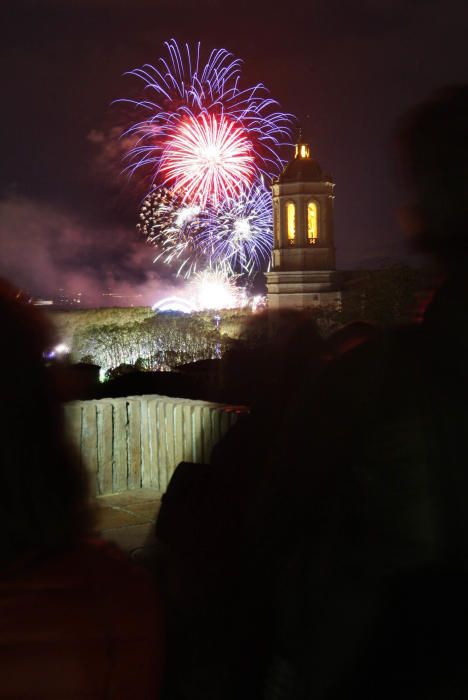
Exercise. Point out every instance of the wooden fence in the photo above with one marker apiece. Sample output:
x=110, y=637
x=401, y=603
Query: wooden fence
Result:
x=137, y=441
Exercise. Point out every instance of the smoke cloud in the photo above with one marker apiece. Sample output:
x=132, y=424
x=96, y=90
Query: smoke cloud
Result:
x=45, y=249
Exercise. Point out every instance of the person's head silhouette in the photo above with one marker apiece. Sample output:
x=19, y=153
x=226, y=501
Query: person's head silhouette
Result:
x=433, y=146
x=43, y=507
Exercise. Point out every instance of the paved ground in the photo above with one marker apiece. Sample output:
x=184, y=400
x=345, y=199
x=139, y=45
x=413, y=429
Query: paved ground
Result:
x=125, y=518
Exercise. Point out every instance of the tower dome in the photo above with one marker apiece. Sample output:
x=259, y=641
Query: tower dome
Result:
x=300, y=169
x=302, y=166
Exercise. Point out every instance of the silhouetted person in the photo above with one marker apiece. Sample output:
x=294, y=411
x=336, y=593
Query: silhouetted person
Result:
x=350, y=336
x=219, y=619
x=372, y=531
x=76, y=619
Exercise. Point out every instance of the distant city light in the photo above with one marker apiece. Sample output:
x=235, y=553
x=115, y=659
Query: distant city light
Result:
x=58, y=351
x=42, y=302
x=61, y=349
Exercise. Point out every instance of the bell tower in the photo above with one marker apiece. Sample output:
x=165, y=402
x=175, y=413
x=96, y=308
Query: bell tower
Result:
x=303, y=267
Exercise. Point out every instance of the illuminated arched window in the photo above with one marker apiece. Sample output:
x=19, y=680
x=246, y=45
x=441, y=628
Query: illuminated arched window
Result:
x=291, y=222
x=312, y=223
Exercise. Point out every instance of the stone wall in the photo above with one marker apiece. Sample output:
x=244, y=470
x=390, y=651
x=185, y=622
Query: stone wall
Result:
x=137, y=441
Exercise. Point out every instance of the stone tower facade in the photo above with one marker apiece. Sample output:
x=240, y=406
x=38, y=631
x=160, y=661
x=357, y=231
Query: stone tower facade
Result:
x=303, y=267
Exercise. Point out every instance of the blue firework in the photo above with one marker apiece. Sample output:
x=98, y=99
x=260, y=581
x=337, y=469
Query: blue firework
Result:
x=240, y=234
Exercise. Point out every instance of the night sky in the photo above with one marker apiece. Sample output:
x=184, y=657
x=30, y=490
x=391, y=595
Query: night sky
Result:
x=68, y=215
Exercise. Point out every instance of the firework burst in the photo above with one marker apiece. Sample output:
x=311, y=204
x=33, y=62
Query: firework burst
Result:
x=208, y=159
x=178, y=230
x=214, y=289
x=235, y=237
x=202, y=134
x=241, y=232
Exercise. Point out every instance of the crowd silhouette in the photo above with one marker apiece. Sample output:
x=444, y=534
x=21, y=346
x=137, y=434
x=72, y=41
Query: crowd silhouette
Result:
x=77, y=620
x=321, y=554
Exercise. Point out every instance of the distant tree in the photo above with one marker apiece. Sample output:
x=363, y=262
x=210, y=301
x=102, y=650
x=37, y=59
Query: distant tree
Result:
x=87, y=360
x=119, y=371
x=385, y=297
x=141, y=365
x=160, y=341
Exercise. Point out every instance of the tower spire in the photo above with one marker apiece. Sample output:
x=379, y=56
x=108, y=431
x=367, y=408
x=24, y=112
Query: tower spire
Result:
x=302, y=149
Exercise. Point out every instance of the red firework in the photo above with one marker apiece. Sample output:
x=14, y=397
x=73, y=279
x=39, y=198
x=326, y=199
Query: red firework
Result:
x=208, y=158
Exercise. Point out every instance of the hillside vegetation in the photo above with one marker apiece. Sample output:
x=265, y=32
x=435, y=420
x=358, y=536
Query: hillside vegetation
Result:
x=158, y=341
x=110, y=337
